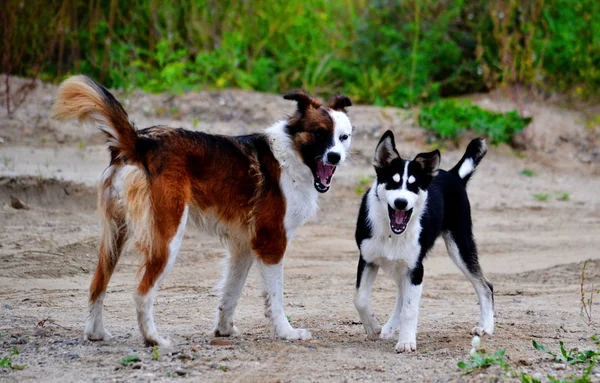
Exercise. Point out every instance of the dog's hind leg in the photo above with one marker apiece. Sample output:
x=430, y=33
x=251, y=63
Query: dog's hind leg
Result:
x=171, y=218
x=463, y=251
x=365, y=277
x=239, y=261
x=113, y=238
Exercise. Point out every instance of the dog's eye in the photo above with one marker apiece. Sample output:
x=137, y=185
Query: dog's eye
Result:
x=344, y=137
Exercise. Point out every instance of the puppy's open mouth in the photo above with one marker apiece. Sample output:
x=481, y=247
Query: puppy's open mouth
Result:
x=323, y=176
x=399, y=219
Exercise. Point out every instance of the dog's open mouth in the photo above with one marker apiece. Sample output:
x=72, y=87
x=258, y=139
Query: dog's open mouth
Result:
x=323, y=176
x=399, y=219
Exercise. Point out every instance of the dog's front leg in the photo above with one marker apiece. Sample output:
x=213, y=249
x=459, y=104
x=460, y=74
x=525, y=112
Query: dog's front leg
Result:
x=273, y=285
x=413, y=288
x=367, y=272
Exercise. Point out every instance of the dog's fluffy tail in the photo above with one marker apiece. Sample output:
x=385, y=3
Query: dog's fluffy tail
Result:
x=465, y=168
x=82, y=98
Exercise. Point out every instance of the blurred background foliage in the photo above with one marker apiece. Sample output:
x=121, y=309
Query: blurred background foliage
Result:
x=383, y=52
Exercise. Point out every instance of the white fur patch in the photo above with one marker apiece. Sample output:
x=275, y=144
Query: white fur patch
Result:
x=396, y=177
x=341, y=126
x=411, y=180
x=466, y=168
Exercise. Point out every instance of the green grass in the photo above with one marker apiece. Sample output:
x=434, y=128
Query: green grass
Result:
x=541, y=196
x=398, y=53
x=363, y=185
x=528, y=173
x=450, y=118
x=481, y=360
x=129, y=359
x=155, y=355
x=6, y=362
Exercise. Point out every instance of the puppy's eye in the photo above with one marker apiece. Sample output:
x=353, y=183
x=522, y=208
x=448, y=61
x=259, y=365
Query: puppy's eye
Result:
x=344, y=137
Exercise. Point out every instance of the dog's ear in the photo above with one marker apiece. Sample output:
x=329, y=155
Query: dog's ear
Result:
x=385, y=152
x=339, y=102
x=303, y=99
x=430, y=162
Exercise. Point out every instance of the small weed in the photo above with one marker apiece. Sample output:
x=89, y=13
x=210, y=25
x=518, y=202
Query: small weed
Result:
x=129, y=359
x=81, y=145
x=541, y=196
x=570, y=357
x=223, y=368
x=528, y=173
x=6, y=160
x=562, y=196
x=363, y=185
x=195, y=122
x=587, y=299
x=480, y=360
x=155, y=354
x=6, y=362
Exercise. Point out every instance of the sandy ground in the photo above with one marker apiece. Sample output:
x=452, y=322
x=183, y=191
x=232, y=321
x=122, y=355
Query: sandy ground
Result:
x=532, y=250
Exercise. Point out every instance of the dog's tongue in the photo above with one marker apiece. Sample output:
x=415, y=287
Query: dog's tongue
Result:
x=324, y=173
x=398, y=217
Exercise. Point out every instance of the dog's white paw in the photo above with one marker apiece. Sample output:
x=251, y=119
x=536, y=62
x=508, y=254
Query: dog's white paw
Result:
x=387, y=332
x=481, y=331
x=296, y=334
x=155, y=340
x=98, y=335
x=402, y=346
x=226, y=332
x=373, y=332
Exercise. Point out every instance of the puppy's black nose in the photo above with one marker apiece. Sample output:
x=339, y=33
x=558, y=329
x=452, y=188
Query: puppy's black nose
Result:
x=333, y=158
x=400, y=204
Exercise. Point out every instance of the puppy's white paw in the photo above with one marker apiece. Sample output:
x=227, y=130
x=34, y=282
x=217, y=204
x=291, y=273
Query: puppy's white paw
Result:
x=98, y=335
x=481, y=331
x=373, y=332
x=406, y=346
x=226, y=332
x=387, y=332
x=296, y=334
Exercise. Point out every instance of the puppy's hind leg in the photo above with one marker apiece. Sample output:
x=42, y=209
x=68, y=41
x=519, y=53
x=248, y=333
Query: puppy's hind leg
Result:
x=463, y=251
x=365, y=277
x=239, y=261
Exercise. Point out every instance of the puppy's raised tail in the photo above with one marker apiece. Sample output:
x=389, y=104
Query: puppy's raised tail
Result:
x=475, y=152
x=82, y=98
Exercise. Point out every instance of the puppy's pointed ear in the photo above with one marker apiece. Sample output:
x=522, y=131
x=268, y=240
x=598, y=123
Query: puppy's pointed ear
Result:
x=303, y=99
x=385, y=152
x=430, y=162
x=339, y=102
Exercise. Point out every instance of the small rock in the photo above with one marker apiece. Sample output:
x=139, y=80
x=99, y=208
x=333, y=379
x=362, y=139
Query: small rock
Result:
x=221, y=342
x=7, y=306
x=559, y=366
x=137, y=366
x=74, y=356
x=181, y=372
x=18, y=204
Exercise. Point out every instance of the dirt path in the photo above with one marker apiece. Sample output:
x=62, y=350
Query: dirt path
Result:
x=531, y=250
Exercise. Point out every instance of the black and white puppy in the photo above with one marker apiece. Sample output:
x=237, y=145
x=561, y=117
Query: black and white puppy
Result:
x=408, y=206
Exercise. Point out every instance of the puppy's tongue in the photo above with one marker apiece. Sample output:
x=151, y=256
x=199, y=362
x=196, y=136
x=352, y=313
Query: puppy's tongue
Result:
x=324, y=173
x=398, y=217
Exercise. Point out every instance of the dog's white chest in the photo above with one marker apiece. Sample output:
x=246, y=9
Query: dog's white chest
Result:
x=301, y=201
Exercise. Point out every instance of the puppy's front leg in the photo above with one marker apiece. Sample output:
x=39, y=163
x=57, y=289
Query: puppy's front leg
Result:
x=413, y=288
x=366, y=274
x=273, y=285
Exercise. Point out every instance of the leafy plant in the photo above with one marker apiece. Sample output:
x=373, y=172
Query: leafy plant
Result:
x=155, y=355
x=572, y=356
x=480, y=360
x=541, y=196
x=528, y=173
x=6, y=362
x=449, y=118
x=363, y=185
x=562, y=196
x=129, y=359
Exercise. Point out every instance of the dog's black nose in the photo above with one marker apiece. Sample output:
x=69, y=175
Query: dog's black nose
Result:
x=333, y=158
x=400, y=204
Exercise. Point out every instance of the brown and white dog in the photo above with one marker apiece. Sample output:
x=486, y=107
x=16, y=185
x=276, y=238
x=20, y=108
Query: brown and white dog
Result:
x=252, y=191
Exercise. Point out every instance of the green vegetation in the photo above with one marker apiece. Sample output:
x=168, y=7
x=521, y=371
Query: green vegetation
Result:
x=363, y=185
x=398, y=53
x=6, y=362
x=129, y=359
x=155, y=355
x=480, y=360
x=541, y=196
x=448, y=118
x=528, y=173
